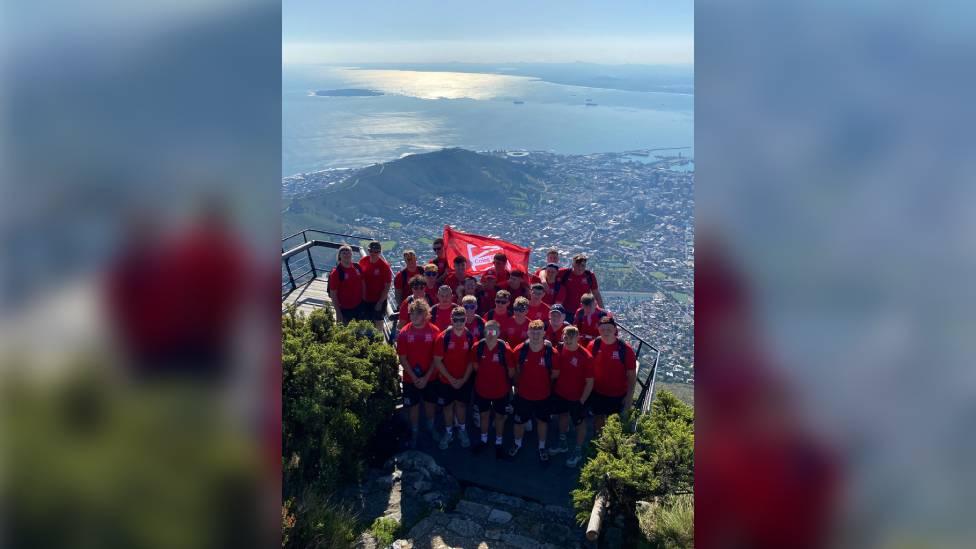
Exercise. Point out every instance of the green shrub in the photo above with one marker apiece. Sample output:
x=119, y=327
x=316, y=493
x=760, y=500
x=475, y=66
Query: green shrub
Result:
x=385, y=530
x=653, y=459
x=313, y=520
x=338, y=384
x=670, y=523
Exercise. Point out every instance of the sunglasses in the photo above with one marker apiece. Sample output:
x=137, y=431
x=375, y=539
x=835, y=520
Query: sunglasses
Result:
x=457, y=319
x=374, y=251
x=536, y=330
x=470, y=306
x=437, y=248
x=501, y=302
x=521, y=309
x=430, y=274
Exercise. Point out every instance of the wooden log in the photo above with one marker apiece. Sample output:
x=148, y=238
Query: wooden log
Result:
x=596, y=516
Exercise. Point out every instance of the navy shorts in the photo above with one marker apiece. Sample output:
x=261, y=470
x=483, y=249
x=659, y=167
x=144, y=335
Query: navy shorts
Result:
x=501, y=406
x=369, y=311
x=446, y=394
x=413, y=396
x=528, y=409
x=577, y=412
x=602, y=405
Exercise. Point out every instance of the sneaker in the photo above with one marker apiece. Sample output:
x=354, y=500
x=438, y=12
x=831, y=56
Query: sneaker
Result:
x=446, y=441
x=528, y=426
x=500, y=451
x=561, y=448
x=513, y=450
x=574, y=458
x=465, y=441
x=543, y=455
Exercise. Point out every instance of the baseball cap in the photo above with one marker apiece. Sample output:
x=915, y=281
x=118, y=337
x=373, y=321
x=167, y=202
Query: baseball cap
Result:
x=552, y=266
x=607, y=319
x=559, y=308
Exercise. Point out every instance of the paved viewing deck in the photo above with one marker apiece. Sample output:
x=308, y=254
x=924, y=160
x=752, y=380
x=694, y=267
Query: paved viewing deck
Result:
x=308, y=297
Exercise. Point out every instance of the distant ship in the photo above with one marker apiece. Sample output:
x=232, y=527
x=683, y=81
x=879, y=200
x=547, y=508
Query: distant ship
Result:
x=518, y=102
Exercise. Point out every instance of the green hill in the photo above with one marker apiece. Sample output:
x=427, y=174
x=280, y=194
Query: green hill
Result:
x=380, y=190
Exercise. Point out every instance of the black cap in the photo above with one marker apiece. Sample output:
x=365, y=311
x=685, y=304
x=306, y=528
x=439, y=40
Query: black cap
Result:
x=552, y=266
x=558, y=307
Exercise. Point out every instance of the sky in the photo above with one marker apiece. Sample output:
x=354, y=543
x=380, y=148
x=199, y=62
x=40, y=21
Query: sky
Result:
x=430, y=31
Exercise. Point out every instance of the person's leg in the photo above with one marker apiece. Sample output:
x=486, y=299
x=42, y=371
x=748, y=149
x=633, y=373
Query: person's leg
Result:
x=448, y=413
x=580, y=434
x=484, y=424
x=599, y=421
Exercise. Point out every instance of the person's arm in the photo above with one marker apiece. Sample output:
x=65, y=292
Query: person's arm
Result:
x=631, y=381
x=383, y=296
x=407, y=367
x=398, y=294
x=334, y=296
x=439, y=366
x=596, y=293
x=587, y=389
x=467, y=373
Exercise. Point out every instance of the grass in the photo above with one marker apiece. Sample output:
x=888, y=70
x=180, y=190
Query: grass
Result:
x=316, y=521
x=659, y=275
x=426, y=241
x=670, y=524
x=385, y=530
x=628, y=243
x=395, y=224
x=680, y=297
x=683, y=391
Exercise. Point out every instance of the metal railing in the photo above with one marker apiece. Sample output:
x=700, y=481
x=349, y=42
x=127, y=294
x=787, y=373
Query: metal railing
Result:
x=645, y=382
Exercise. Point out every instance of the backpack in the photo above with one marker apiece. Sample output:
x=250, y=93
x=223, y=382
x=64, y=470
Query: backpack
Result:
x=406, y=276
x=342, y=272
x=565, y=278
x=480, y=322
x=621, y=347
x=524, y=353
x=480, y=351
x=447, y=338
x=578, y=317
x=410, y=299
x=434, y=308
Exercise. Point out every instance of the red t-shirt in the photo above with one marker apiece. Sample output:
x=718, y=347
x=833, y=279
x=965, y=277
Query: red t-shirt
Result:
x=441, y=316
x=535, y=380
x=501, y=278
x=522, y=291
x=432, y=293
x=349, y=290
x=442, y=266
x=555, y=334
x=609, y=373
x=492, y=380
x=404, y=311
x=549, y=298
x=476, y=327
x=515, y=333
x=538, y=312
x=457, y=355
x=377, y=275
x=487, y=300
x=417, y=344
x=587, y=324
x=574, y=288
x=574, y=368
x=398, y=281
x=453, y=280
x=502, y=319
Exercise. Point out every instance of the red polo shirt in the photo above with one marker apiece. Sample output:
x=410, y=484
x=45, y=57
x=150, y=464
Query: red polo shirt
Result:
x=574, y=288
x=538, y=312
x=403, y=285
x=515, y=333
x=587, y=324
x=535, y=380
x=377, y=275
x=349, y=290
x=457, y=354
x=417, y=345
x=609, y=373
x=574, y=368
x=404, y=311
x=492, y=380
x=442, y=317
x=555, y=334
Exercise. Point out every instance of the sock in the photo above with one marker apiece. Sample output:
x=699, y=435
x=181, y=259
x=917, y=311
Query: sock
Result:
x=498, y=440
x=449, y=429
x=518, y=443
x=484, y=437
x=562, y=437
x=463, y=427
x=542, y=445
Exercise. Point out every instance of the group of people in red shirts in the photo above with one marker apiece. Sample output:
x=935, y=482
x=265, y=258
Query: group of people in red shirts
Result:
x=531, y=349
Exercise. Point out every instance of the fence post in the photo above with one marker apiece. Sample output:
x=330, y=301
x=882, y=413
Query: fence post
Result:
x=291, y=279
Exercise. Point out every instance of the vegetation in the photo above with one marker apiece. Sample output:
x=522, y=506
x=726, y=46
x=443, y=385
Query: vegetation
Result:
x=339, y=383
x=385, y=530
x=680, y=297
x=669, y=523
x=653, y=459
x=659, y=275
x=395, y=224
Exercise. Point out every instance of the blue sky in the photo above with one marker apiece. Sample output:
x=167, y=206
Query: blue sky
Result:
x=632, y=31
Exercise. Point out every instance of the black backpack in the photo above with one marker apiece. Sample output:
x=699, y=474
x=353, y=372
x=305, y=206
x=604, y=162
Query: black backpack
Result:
x=342, y=272
x=481, y=324
x=405, y=276
x=578, y=317
x=410, y=299
x=434, y=308
x=480, y=351
x=621, y=347
x=524, y=353
x=447, y=337
x=565, y=278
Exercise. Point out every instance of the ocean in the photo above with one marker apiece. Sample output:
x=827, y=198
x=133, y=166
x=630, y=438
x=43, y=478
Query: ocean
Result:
x=422, y=111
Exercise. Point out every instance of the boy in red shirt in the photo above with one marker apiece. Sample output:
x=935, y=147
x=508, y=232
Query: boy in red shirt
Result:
x=439, y=260
x=573, y=283
x=516, y=330
x=500, y=311
x=455, y=278
x=415, y=348
x=346, y=288
x=614, y=374
x=537, y=309
x=495, y=367
x=452, y=359
x=378, y=277
x=552, y=258
x=401, y=282
x=440, y=313
x=474, y=323
x=516, y=284
x=500, y=269
x=557, y=324
x=549, y=281
x=417, y=285
x=430, y=276
x=574, y=383
x=586, y=319
x=535, y=361
x=487, y=300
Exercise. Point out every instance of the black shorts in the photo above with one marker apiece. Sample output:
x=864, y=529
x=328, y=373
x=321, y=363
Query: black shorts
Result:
x=412, y=395
x=576, y=411
x=528, y=409
x=501, y=406
x=369, y=311
x=602, y=405
x=356, y=313
x=446, y=394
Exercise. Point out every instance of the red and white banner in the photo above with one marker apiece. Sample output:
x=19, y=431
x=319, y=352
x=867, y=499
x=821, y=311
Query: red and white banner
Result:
x=480, y=250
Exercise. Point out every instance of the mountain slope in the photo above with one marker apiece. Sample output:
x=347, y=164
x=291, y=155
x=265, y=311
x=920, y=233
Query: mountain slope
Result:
x=380, y=190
